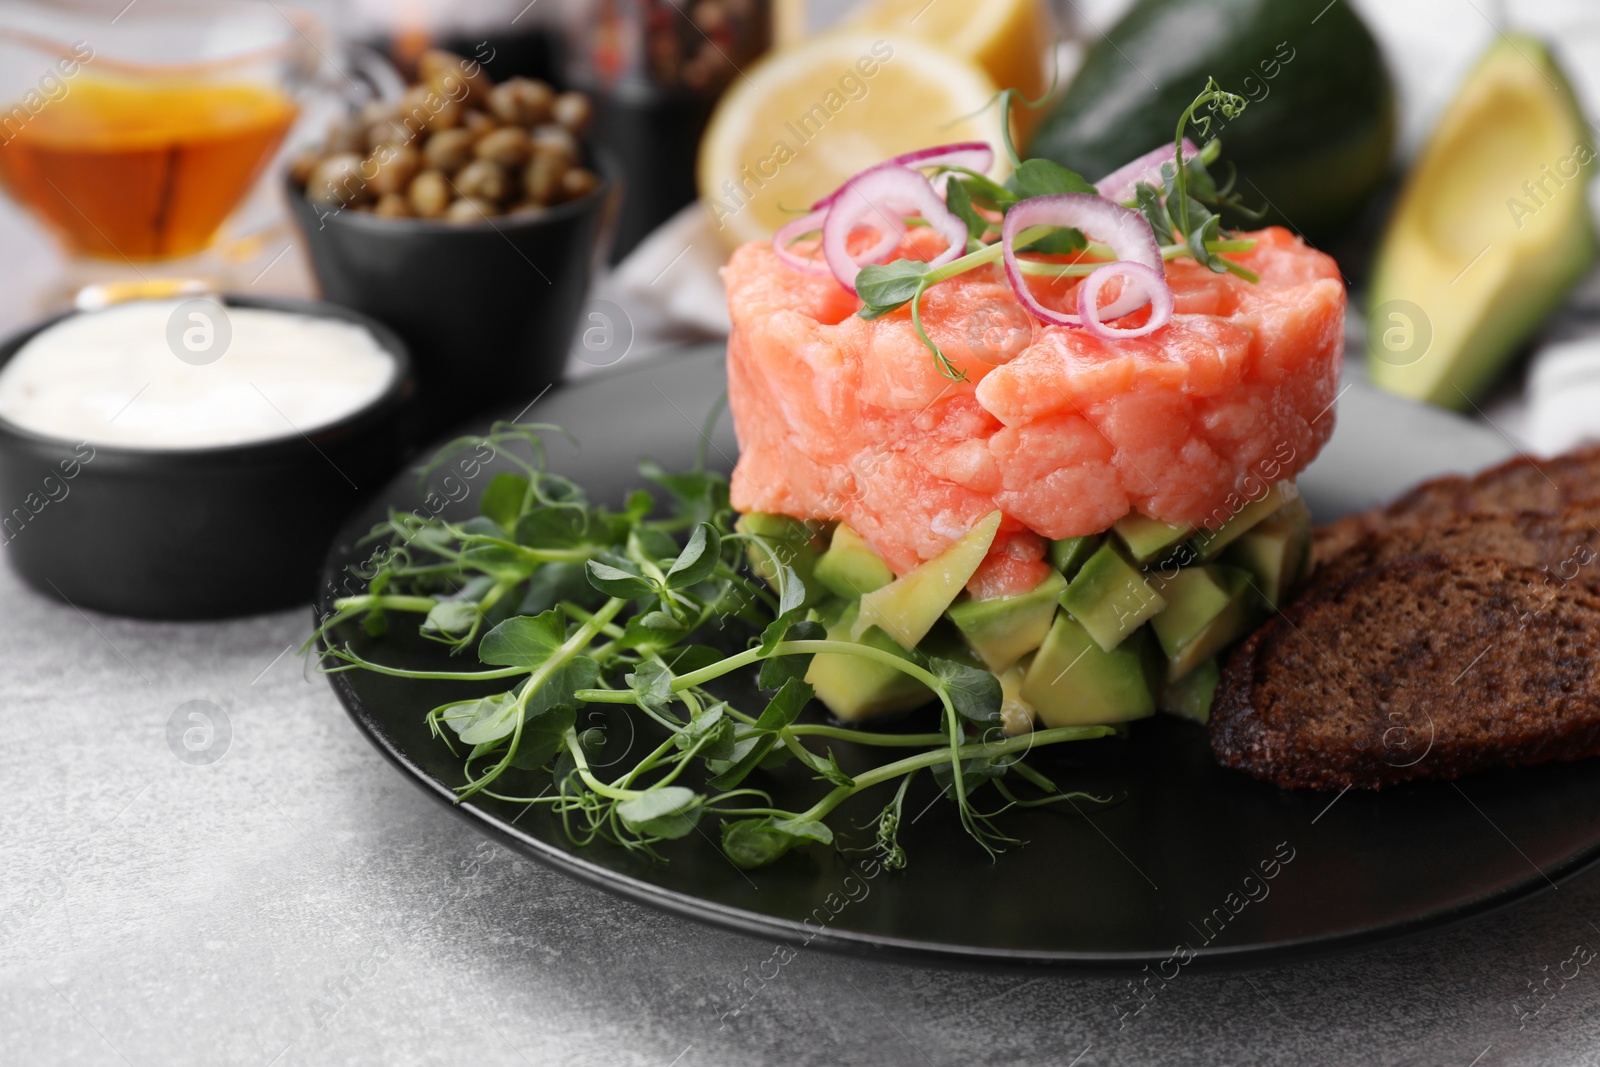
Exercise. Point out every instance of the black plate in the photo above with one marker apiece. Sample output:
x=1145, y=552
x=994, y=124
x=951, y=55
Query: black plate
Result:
x=1173, y=872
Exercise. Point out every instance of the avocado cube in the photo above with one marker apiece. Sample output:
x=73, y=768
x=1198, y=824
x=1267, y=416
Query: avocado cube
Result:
x=796, y=542
x=1235, y=522
x=1208, y=608
x=1276, y=552
x=849, y=568
x=1001, y=630
x=1148, y=538
x=1069, y=554
x=1016, y=714
x=907, y=607
x=1111, y=597
x=1190, y=696
x=854, y=688
x=1074, y=682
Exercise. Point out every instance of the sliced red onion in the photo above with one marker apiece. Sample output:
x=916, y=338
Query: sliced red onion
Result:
x=793, y=231
x=1119, y=184
x=975, y=156
x=1124, y=229
x=881, y=197
x=1138, y=281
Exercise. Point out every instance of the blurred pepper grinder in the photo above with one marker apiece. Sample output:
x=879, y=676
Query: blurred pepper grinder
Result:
x=654, y=69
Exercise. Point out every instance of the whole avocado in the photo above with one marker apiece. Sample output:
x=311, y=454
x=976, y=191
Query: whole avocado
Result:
x=1315, y=139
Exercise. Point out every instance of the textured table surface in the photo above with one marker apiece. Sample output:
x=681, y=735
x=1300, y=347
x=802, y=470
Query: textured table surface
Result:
x=297, y=901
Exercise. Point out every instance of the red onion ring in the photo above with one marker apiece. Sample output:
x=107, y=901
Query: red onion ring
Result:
x=1124, y=229
x=881, y=196
x=1119, y=184
x=789, y=233
x=1136, y=276
x=975, y=156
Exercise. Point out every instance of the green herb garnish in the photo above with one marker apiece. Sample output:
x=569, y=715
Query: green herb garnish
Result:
x=572, y=606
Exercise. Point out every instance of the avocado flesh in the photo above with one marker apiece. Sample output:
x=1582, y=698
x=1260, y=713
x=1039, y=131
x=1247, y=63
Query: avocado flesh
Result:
x=1484, y=257
x=1190, y=696
x=1208, y=544
x=1002, y=630
x=1068, y=554
x=1110, y=597
x=854, y=688
x=1074, y=682
x=794, y=541
x=907, y=607
x=1208, y=608
x=1147, y=538
x=849, y=568
x=1276, y=553
x=1016, y=714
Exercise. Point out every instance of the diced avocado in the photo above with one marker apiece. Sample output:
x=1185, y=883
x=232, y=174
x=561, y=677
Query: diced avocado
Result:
x=907, y=607
x=1491, y=231
x=1074, y=682
x=1111, y=597
x=1208, y=608
x=1190, y=696
x=1016, y=714
x=1069, y=554
x=1004, y=629
x=849, y=568
x=795, y=542
x=1147, y=538
x=1276, y=553
x=854, y=688
x=1238, y=516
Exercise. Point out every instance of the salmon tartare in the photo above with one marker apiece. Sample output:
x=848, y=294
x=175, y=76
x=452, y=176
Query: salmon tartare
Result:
x=1144, y=433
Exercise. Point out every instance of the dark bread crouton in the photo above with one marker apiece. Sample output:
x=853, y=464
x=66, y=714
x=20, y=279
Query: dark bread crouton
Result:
x=1521, y=484
x=1564, y=541
x=1425, y=667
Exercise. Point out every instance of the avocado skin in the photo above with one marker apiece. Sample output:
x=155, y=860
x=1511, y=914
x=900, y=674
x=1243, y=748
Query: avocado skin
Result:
x=1311, y=150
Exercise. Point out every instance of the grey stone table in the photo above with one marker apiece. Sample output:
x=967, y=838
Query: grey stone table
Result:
x=296, y=901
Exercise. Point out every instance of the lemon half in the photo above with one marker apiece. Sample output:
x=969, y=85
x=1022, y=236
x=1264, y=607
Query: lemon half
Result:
x=803, y=120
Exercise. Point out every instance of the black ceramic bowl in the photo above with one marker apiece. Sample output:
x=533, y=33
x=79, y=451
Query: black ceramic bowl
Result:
x=194, y=533
x=487, y=308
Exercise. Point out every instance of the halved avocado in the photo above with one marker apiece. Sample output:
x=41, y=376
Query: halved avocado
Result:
x=1491, y=230
x=1072, y=681
x=849, y=568
x=907, y=607
x=1110, y=597
x=1147, y=538
x=1001, y=630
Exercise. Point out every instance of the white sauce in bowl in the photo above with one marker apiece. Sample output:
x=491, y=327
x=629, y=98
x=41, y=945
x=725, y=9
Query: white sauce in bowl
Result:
x=111, y=377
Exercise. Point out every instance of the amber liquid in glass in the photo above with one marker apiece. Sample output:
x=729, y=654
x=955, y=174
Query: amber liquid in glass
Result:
x=142, y=171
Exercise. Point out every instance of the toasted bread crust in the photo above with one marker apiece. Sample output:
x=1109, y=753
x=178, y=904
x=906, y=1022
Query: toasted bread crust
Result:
x=1422, y=667
x=1522, y=484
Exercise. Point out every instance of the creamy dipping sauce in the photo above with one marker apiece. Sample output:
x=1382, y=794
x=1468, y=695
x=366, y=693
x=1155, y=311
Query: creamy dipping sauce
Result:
x=112, y=378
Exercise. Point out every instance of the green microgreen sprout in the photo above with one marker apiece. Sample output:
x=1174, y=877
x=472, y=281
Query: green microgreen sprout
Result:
x=1184, y=213
x=574, y=608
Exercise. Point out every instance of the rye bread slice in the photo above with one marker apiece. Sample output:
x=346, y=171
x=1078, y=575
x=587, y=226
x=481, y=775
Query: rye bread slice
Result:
x=1566, y=542
x=1425, y=667
x=1520, y=484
